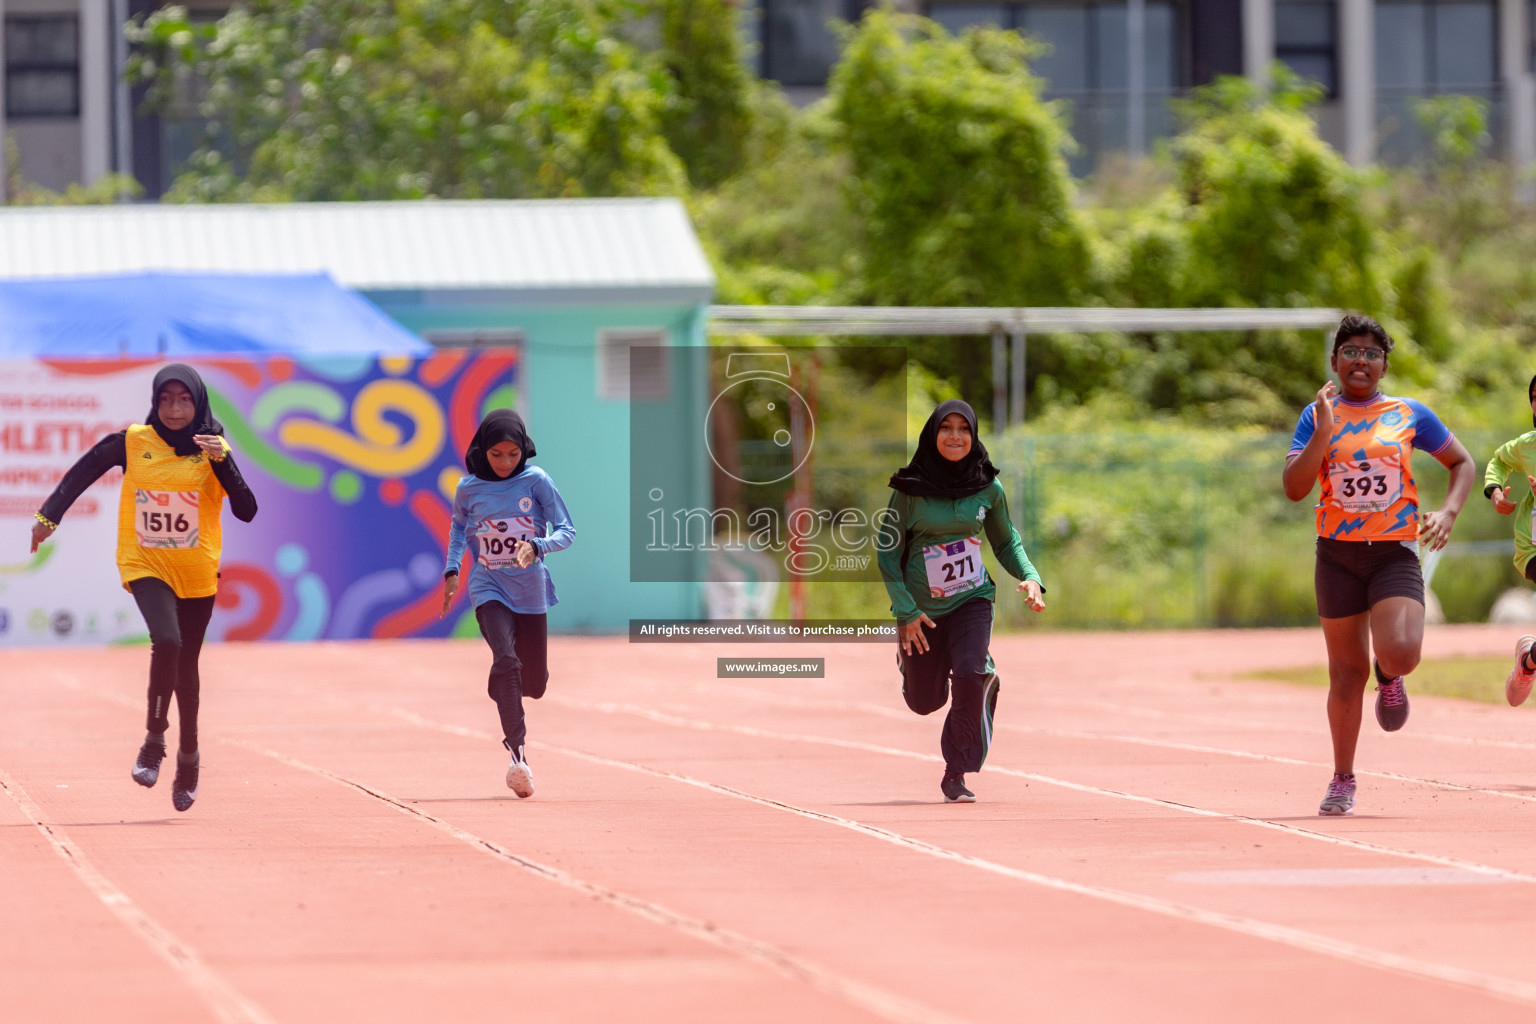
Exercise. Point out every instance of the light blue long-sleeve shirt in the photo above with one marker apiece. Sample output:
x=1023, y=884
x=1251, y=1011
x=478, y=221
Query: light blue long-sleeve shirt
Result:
x=488, y=515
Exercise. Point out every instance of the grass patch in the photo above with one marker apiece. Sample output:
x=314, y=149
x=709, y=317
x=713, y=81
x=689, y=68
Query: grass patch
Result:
x=1480, y=679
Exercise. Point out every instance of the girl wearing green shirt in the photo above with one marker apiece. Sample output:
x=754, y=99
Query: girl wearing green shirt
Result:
x=1519, y=456
x=941, y=594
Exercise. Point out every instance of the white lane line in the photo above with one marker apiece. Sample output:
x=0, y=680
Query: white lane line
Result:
x=227, y=1004
x=1145, y=741
x=880, y=1002
x=1504, y=988
x=663, y=718
x=1271, y=726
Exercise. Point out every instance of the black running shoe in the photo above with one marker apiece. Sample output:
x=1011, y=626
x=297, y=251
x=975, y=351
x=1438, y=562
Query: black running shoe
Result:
x=953, y=787
x=1392, y=704
x=184, y=789
x=146, y=769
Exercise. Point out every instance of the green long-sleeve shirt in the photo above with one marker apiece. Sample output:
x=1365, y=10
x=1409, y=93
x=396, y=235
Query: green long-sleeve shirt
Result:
x=943, y=545
x=1517, y=456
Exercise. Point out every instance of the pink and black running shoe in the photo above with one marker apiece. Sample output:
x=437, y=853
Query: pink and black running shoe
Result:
x=1517, y=685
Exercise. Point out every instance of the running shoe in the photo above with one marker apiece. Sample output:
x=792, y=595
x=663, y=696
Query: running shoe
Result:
x=184, y=788
x=146, y=768
x=1392, y=704
x=520, y=776
x=1341, y=797
x=953, y=787
x=1517, y=685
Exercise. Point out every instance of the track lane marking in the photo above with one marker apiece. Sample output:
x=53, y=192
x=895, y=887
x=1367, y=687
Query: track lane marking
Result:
x=869, y=998
x=225, y=1002
x=1311, y=942
x=1146, y=741
x=663, y=718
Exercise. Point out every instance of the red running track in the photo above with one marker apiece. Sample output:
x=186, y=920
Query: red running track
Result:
x=1146, y=847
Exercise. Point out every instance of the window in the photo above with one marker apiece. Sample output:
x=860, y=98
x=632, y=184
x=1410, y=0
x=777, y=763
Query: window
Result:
x=1432, y=48
x=1306, y=40
x=474, y=337
x=632, y=364
x=42, y=67
x=798, y=45
x=1437, y=46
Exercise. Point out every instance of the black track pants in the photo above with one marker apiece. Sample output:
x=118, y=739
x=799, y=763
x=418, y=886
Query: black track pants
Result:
x=957, y=667
x=520, y=646
x=176, y=629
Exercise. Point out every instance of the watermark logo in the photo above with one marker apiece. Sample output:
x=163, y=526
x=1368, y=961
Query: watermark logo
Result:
x=764, y=465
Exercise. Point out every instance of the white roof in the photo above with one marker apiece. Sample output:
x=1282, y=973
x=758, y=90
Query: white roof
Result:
x=553, y=245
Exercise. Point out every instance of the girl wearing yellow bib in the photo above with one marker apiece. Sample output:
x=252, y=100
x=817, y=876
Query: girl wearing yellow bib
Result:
x=177, y=471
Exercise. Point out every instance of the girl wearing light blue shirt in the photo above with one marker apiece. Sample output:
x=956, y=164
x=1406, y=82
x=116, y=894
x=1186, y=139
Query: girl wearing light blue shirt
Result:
x=510, y=515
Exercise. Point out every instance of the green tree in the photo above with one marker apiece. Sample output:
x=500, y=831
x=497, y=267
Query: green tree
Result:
x=1275, y=215
x=709, y=124
x=958, y=174
x=395, y=99
x=959, y=187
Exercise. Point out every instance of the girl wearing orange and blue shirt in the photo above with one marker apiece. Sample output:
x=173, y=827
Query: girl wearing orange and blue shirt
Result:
x=1370, y=590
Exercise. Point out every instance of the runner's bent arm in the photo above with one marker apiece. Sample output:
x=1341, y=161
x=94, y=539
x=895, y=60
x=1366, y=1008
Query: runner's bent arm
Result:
x=561, y=531
x=903, y=606
x=1309, y=447
x=456, y=541
x=241, y=501
x=1499, y=467
x=1458, y=460
x=1007, y=545
x=111, y=451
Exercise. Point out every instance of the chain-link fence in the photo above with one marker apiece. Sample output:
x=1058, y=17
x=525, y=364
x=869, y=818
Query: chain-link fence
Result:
x=1173, y=528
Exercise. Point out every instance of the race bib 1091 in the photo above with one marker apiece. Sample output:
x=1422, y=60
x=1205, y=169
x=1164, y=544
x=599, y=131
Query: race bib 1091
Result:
x=498, y=540
x=953, y=568
x=166, y=519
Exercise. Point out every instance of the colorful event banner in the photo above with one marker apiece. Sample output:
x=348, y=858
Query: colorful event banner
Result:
x=353, y=461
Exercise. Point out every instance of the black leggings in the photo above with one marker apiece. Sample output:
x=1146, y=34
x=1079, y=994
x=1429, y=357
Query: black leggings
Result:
x=956, y=668
x=176, y=629
x=519, y=645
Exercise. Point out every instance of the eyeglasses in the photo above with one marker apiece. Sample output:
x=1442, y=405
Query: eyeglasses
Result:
x=1370, y=355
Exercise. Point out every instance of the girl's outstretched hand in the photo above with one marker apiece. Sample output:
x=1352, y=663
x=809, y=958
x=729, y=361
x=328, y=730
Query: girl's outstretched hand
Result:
x=1032, y=595
x=450, y=587
x=1501, y=503
x=912, y=639
x=40, y=533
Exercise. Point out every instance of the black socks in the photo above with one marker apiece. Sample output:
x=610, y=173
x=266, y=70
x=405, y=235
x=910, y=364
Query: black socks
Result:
x=1381, y=677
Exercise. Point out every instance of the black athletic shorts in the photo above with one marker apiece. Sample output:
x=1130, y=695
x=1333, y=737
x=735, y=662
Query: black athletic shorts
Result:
x=1530, y=568
x=1352, y=575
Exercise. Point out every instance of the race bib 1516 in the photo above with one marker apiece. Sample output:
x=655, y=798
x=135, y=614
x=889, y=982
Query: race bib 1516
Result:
x=166, y=519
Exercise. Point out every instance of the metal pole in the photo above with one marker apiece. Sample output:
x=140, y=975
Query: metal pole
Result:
x=1136, y=85
x=999, y=381
x=1016, y=399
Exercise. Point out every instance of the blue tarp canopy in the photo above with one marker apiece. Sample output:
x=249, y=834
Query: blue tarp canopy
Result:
x=188, y=314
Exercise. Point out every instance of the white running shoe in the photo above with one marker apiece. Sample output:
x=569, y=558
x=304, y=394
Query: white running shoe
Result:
x=1517, y=685
x=520, y=776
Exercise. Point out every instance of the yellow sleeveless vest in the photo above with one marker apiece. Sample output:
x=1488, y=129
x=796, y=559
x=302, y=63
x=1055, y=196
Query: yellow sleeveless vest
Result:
x=168, y=517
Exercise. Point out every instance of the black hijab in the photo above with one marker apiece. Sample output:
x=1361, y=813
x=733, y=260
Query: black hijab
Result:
x=931, y=475
x=1530, y=394
x=499, y=425
x=202, y=416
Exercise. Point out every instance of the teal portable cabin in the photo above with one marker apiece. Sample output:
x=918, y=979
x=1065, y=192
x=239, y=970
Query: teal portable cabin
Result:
x=573, y=284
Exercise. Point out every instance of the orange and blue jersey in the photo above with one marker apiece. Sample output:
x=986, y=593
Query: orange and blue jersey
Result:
x=1367, y=472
